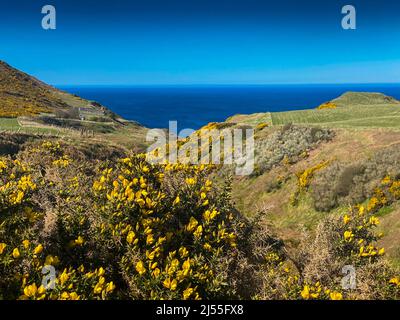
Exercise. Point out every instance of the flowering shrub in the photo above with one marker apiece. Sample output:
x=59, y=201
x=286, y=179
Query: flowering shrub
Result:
x=315, y=271
x=167, y=225
x=327, y=105
x=260, y=126
x=304, y=180
x=351, y=183
x=305, y=176
x=74, y=228
x=23, y=224
x=351, y=240
x=162, y=231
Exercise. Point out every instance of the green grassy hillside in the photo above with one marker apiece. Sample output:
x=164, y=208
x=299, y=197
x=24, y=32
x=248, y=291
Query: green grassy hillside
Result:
x=363, y=98
x=354, y=109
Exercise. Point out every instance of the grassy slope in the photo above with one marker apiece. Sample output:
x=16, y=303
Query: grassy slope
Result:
x=355, y=110
x=364, y=124
x=355, y=116
x=349, y=145
x=351, y=116
x=9, y=124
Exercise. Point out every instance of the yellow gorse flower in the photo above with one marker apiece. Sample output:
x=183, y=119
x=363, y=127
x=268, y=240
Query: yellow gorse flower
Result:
x=140, y=268
x=110, y=287
x=63, y=278
x=33, y=292
x=79, y=241
x=374, y=221
x=176, y=201
x=172, y=285
x=3, y=166
x=16, y=254
x=183, y=252
x=30, y=291
x=395, y=281
x=156, y=272
x=51, y=260
x=336, y=296
x=130, y=237
x=187, y=293
x=192, y=224
x=190, y=181
x=101, y=272
x=38, y=249
x=2, y=247
x=74, y=296
x=198, y=232
x=348, y=236
x=149, y=239
x=311, y=291
x=186, y=267
x=26, y=244
x=305, y=293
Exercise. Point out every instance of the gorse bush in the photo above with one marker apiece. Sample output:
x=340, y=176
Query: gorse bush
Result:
x=168, y=226
x=288, y=145
x=158, y=231
x=76, y=228
x=341, y=244
x=304, y=179
x=327, y=105
x=351, y=240
x=352, y=183
x=34, y=232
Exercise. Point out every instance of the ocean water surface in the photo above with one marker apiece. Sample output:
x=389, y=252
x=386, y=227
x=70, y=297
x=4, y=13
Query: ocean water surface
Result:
x=195, y=106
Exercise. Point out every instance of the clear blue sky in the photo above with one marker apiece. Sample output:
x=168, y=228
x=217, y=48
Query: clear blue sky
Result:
x=144, y=42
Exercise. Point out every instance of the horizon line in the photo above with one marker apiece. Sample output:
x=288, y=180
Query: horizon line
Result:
x=224, y=84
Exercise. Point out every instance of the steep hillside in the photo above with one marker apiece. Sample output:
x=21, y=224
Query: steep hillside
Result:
x=21, y=94
x=29, y=105
x=24, y=95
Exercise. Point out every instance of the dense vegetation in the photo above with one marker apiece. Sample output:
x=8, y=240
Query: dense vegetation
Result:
x=351, y=183
x=21, y=94
x=122, y=228
x=287, y=145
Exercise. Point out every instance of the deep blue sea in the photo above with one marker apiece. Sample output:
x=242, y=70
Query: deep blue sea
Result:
x=194, y=107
